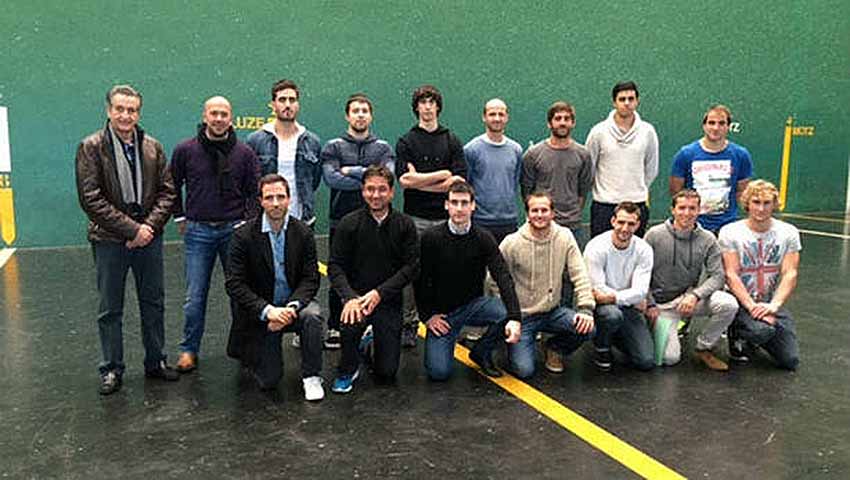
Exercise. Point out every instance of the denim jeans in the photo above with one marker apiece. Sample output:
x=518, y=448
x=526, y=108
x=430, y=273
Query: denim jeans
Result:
x=112, y=261
x=487, y=312
x=779, y=340
x=269, y=366
x=203, y=242
x=626, y=328
x=560, y=322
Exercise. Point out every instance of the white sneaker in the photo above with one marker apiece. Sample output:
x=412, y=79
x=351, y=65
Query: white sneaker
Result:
x=313, y=390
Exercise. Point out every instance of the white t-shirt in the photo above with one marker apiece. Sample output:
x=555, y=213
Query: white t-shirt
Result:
x=286, y=168
x=760, y=254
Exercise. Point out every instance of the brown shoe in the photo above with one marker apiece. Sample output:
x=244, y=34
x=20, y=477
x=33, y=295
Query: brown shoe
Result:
x=554, y=362
x=186, y=363
x=710, y=361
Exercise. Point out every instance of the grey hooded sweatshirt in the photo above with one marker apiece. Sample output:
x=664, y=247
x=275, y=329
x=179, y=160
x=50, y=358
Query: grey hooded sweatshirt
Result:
x=684, y=261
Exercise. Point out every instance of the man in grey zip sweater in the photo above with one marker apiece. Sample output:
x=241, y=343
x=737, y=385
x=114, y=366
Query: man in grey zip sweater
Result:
x=687, y=280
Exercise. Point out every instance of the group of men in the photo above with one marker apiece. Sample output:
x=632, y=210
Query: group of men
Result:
x=454, y=257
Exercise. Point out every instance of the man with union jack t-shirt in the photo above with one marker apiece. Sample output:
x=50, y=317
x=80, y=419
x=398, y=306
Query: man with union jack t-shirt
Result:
x=761, y=256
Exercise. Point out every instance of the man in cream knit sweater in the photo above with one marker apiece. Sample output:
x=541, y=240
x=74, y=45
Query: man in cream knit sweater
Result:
x=537, y=256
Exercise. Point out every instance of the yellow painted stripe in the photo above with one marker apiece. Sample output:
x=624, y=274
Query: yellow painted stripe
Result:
x=597, y=437
x=786, y=163
x=323, y=269
x=5, y=255
x=825, y=234
x=816, y=218
x=7, y=216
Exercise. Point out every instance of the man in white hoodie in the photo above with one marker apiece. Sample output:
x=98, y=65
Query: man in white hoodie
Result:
x=537, y=256
x=624, y=152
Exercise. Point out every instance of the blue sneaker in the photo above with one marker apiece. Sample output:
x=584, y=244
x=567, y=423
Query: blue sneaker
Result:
x=344, y=383
x=366, y=347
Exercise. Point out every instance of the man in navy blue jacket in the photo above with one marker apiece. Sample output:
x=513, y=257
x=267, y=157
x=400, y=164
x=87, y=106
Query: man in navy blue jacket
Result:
x=344, y=159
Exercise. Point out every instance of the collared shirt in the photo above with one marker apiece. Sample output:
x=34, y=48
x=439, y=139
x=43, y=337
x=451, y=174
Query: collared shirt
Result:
x=282, y=290
x=459, y=230
x=383, y=217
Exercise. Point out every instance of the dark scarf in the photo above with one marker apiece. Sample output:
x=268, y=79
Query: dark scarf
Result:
x=219, y=153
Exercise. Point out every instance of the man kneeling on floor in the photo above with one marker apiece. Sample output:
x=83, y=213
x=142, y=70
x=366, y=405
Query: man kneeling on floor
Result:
x=455, y=256
x=374, y=255
x=620, y=267
x=687, y=280
x=537, y=256
x=274, y=279
x=761, y=255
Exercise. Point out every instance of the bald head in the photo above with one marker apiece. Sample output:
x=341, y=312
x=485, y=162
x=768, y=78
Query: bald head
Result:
x=495, y=118
x=218, y=117
x=495, y=103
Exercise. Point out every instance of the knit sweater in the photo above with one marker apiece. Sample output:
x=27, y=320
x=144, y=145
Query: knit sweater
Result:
x=494, y=171
x=624, y=163
x=366, y=255
x=683, y=261
x=453, y=268
x=537, y=266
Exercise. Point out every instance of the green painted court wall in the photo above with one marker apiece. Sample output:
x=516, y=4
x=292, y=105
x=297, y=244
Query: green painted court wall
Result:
x=767, y=60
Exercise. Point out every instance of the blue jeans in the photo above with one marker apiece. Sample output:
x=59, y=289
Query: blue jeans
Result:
x=626, y=328
x=203, y=243
x=112, y=261
x=566, y=340
x=482, y=312
x=779, y=340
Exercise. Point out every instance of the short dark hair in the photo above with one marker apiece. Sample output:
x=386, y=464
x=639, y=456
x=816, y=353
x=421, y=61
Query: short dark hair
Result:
x=283, y=85
x=539, y=194
x=718, y=107
x=427, y=91
x=685, y=193
x=628, y=207
x=462, y=187
x=358, y=97
x=269, y=179
x=123, y=90
x=378, y=171
x=560, y=106
x=622, y=86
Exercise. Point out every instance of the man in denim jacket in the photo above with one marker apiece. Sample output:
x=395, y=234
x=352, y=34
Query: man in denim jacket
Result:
x=287, y=148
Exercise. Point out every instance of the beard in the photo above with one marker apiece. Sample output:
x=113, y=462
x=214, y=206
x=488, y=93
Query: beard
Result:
x=561, y=132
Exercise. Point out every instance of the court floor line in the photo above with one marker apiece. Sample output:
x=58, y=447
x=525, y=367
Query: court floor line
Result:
x=600, y=439
x=5, y=255
x=825, y=234
x=816, y=218
x=597, y=437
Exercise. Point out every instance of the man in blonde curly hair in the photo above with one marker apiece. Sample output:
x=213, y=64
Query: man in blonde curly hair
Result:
x=761, y=256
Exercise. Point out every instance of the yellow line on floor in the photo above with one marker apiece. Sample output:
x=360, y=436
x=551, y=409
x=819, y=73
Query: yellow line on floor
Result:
x=5, y=255
x=622, y=452
x=597, y=437
x=825, y=234
x=815, y=217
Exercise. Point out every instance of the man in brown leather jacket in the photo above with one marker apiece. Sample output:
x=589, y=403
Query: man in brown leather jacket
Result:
x=126, y=191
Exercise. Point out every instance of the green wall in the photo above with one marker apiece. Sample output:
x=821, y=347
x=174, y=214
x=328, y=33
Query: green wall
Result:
x=768, y=61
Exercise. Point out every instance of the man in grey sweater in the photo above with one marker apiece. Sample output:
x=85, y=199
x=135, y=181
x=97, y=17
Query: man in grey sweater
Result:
x=687, y=280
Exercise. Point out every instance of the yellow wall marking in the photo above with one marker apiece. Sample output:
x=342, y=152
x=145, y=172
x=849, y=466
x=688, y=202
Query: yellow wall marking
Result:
x=5, y=255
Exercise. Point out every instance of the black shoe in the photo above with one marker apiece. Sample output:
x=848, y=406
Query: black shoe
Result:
x=603, y=360
x=408, y=335
x=163, y=372
x=485, y=364
x=110, y=383
x=739, y=351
